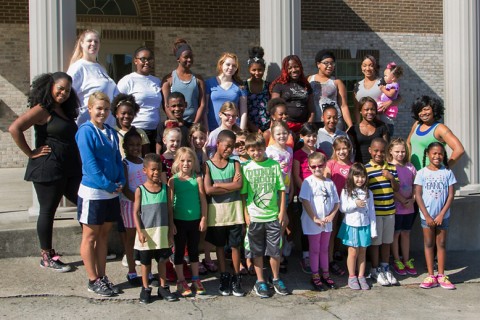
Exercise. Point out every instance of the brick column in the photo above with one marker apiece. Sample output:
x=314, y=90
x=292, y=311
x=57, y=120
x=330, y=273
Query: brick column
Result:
x=52, y=26
x=280, y=32
x=462, y=94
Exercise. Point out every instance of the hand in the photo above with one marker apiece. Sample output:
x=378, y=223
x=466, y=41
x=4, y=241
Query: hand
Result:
x=141, y=237
x=328, y=219
x=203, y=224
x=438, y=220
x=283, y=219
x=119, y=188
x=40, y=152
x=319, y=222
x=247, y=220
x=408, y=202
x=387, y=174
x=172, y=229
x=361, y=203
x=237, y=177
x=430, y=221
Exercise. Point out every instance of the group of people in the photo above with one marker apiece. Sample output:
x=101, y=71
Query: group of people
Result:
x=248, y=166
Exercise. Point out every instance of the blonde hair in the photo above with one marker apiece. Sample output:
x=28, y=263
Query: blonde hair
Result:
x=228, y=106
x=316, y=156
x=181, y=152
x=77, y=51
x=98, y=95
x=336, y=143
x=397, y=142
x=221, y=60
x=168, y=130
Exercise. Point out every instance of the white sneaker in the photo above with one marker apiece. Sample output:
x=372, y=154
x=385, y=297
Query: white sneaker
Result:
x=389, y=276
x=379, y=275
x=124, y=261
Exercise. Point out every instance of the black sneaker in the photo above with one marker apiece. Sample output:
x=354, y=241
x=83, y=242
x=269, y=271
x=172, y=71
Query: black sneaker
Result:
x=100, y=288
x=261, y=289
x=114, y=288
x=134, y=280
x=164, y=293
x=280, y=287
x=237, y=289
x=224, y=287
x=51, y=260
x=145, y=295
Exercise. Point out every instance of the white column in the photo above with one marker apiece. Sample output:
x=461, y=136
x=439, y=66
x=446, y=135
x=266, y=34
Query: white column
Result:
x=462, y=94
x=280, y=32
x=52, y=26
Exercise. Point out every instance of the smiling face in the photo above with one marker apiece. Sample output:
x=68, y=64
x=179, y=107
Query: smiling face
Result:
x=377, y=152
x=153, y=171
x=280, y=135
x=144, y=62
x=388, y=76
x=229, y=67
x=124, y=115
x=228, y=118
x=368, y=111
x=317, y=167
x=280, y=113
x=359, y=180
x=133, y=147
x=257, y=154
x=61, y=90
x=186, y=59
x=293, y=70
x=330, y=119
x=326, y=66
x=198, y=139
x=426, y=115
x=172, y=141
x=99, y=111
x=436, y=155
x=368, y=68
x=256, y=71
x=177, y=107
x=225, y=147
x=342, y=152
x=90, y=45
x=309, y=140
x=240, y=145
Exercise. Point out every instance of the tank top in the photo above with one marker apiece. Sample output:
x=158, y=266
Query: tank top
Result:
x=190, y=90
x=324, y=94
x=136, y=176
x=186, y=202
x=420, y=141
x=154, y=218
x=64, y=160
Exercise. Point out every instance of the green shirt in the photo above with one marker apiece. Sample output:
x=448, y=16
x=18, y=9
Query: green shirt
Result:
x=186, y=201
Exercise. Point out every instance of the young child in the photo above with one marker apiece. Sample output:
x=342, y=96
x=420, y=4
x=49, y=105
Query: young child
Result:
x=171, y=140
x=102, y=181
x=329, y=132
x=228, y=116
x=320, y=205
x=124, y=109
x=135, y=176
x=197, y=137
x=277, y=108
x=187, y=210
x=383, y=182
x=337, y=170
x=404, y=210
x=263, y=198
x=152, y=226
x=176, y=105
x=223, y=181
x=434, y=190
x=359, y=224
x=240, y=152
x=390, y=89
x=283, y=154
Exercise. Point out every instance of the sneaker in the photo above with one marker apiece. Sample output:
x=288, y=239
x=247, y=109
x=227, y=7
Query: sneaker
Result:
x=153, y=281
x=114, y=288
x=389, y=276
x=363, y=283
x=187, y=273
x=236, y=284
x=399, y=268
x=170, y=274
x=198, y=287
x=224, y=288
x=261, y=289
x=336, y=269
x=429, y=282
x=145, y=295
x=165, y=294
x=111, y=256
x=305, y=264
x=328, y=282
x=410, y=268
x=280, y=287
x=379, y=276
x=353, y=283
x=317, y=283
x=134, y=280
x=124, y=261
x=51, y=260
x=100, y=288
x=444, y=282
x=183, y=289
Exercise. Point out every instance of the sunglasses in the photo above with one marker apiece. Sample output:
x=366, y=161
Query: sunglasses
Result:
x=239, y=144
x=143, y=59
x=317, y=166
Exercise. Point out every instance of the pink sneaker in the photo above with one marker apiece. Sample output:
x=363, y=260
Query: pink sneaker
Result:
x=410, y=268
x=429, y=282
x=399, y=268
x=444, y=282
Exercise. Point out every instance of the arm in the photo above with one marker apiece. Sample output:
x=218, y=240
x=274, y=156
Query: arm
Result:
x=309, y=210
x=331, y=214
x=296, y=174
x=224, y=187
x=35, y=115
x=242, y=107
x=342, y=97
x=166, y=87
x=282, y=215
x=443, y=133
x=201, y=101
x=388, y=92
x=136, y=216
x=172, y=230
x=409, y=143
x=311, y=108
x=245, y=211
x=126, y=190
x=203, y=205
x=392, y=178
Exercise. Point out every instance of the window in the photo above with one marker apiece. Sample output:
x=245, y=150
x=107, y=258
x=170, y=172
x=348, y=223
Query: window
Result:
x=118, y=65
x=107, y=7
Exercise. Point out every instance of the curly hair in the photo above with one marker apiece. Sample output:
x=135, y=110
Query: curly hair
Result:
x=427, y=101
x=122, y=99
x=41, y=94
x=285, y=78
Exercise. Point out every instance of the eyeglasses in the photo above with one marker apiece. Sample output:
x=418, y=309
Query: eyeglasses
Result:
x=143, y=59
x=328, y=63
x=239, y=144
x=317, y=166
x=228, y=115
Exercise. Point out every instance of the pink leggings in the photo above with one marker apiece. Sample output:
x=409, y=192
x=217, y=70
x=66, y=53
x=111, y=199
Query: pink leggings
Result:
x=318, y=250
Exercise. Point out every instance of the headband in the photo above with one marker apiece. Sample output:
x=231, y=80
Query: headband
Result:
x=256, y=60
x=182, y=48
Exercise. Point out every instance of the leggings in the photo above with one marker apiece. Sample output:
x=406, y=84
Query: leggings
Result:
x=187, y=234
x=49, y=195
x=319, y=251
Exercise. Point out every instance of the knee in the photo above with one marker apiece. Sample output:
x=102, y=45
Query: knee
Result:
x=441, y=243
x=428, y=243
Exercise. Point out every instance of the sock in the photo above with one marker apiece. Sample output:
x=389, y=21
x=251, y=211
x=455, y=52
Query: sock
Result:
x=195, y=278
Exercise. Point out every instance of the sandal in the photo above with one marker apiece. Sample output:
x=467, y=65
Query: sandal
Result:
x=209, y=265
x=336, y=269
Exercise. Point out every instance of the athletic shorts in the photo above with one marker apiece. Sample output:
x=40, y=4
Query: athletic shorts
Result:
x=146, y=256
x=97, y=212
x=225, y=235
x=404, y=222
x=385, y=230
x=264, y=239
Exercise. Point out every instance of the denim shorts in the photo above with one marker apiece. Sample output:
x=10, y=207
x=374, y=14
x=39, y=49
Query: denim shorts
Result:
x=443, y=226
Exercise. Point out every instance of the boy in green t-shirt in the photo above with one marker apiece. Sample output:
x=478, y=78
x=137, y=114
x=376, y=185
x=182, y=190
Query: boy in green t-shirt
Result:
x=263, y=197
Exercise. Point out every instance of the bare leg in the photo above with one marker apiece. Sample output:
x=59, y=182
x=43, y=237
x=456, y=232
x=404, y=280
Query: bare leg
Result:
x=441, y=236
x=275, y=265
x=128, y=245
x=236, y=257
x=87, y=249
x=361, y=261
x=258, y=263
x=429, y=243
x=101, y=248
x=395, y=245
x=385, y=252
x=374, y=254
x=162, y=272
x=145, y=272
x=405, y=245
x=352, y=260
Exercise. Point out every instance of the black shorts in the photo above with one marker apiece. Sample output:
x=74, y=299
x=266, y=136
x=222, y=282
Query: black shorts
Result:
x=97, y=212
x=404, y=222
x=146, y=256
x=225, y=235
